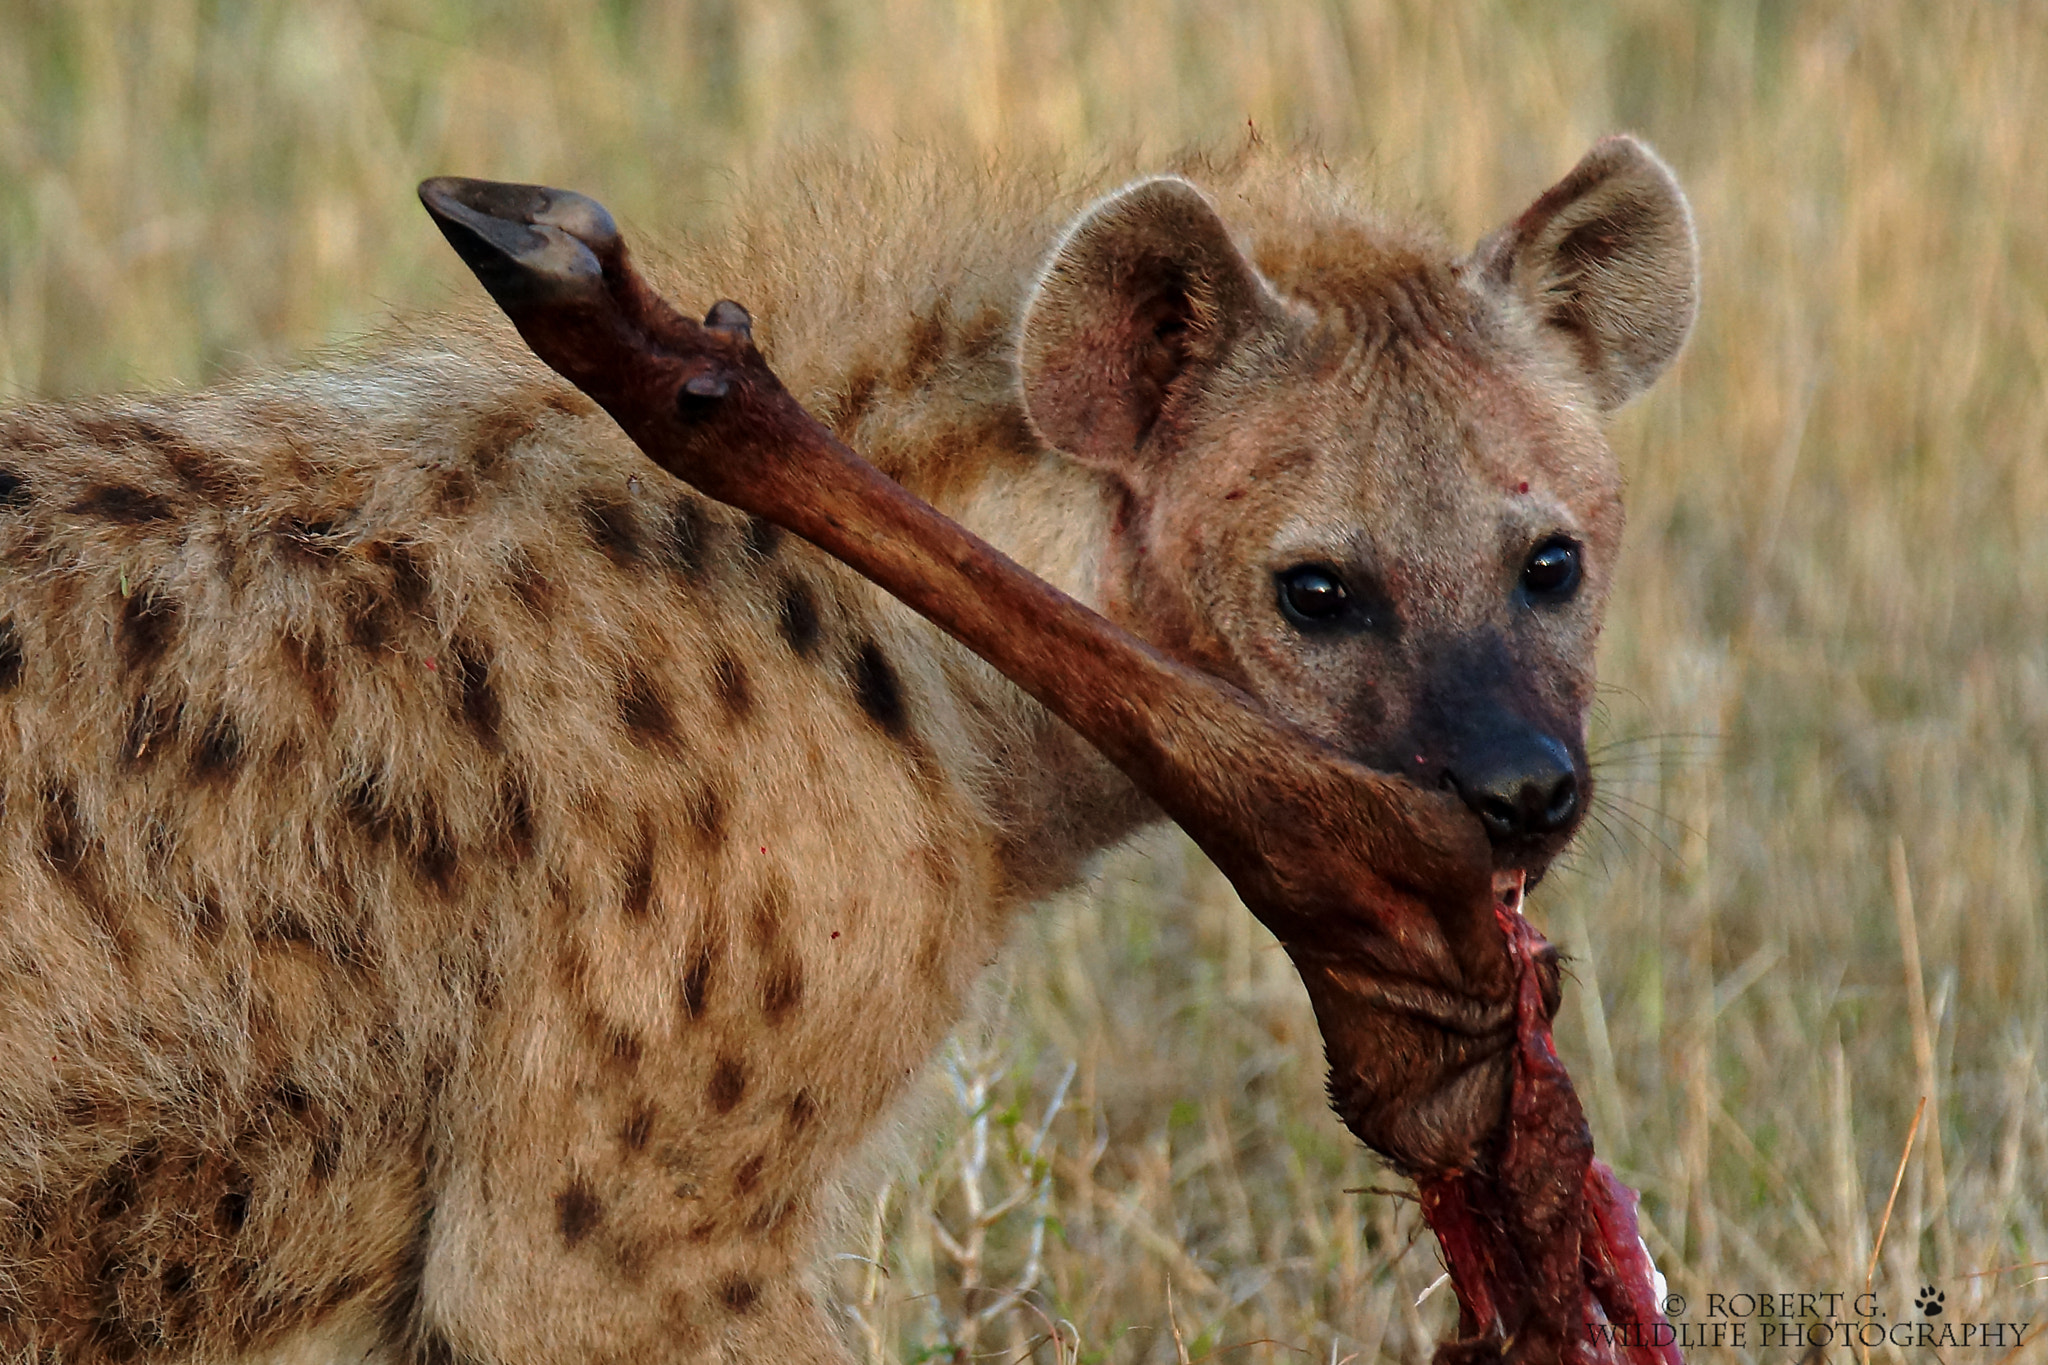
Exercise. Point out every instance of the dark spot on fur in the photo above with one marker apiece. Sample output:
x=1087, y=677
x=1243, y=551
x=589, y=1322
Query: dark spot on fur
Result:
x=208, y=919
x=697, y=983
x=123, y=503
x=308, y=538
x=612, y=528
x=728, y=1084
x=572, y=969
x=577, y=1211
x=114, y=1193
x=640, y=875
x=489, y=981
x=638, y=1127
x=231, y=1211
x=771, y=1215
x=454, y=491
x=149, y=623
x=69, y=846
x=707, y=815
x=218, y=754
x=860, y=396
x=432, y=848
x=530, y=585
x=10, y=656
x=177, y=1279
x=285, y=925
x=739, y=1294
x=783, y=990
x=683, y=539
x=619, y=1044
x=373, y=615
x=415, y=827
x=85, y=1109
x=748, y=1177
x=798, y=618
x=212, y=477
x=112, y=1338
x=802, y=1110
x=64, y=833
x=930, y=959
x=479, y=701
x=645, y=711
x=13, y=489
x=196, y=468
x=409, y=580
x=495, y=433
x=735, y=690
x=307, y=656
x=630, y=1257
x=368, y=614
x=291, y=1097
x=363, y=800
x=515, y=814
x=987, y=330
x=327, y=1152
x=569, y=403
x=925, y=346
x=434, y=1075
x=876, y=687
x=761, y=539
x=771, y=911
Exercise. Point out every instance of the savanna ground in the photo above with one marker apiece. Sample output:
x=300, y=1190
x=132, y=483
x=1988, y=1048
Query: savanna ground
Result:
x=1814, y=890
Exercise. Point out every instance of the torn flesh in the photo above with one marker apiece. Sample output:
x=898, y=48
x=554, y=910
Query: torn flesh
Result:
x=1609, y=1304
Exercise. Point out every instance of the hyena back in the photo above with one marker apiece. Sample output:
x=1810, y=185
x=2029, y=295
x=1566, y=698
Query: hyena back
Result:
x=466, y=896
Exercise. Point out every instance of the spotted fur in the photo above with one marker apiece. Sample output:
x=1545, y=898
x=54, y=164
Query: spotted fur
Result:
x=466, y=896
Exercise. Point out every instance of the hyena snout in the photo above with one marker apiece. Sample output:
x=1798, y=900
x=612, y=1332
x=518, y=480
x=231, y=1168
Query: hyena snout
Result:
x=1523, y=787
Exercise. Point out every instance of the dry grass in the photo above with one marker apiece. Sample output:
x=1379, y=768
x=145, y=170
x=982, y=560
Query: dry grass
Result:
x=1817, y=890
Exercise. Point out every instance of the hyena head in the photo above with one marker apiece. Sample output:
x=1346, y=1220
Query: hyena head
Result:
x=1368, y=482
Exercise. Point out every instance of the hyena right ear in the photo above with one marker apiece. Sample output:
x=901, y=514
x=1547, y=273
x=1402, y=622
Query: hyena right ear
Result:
x=1145, y=296
x=1606, y=260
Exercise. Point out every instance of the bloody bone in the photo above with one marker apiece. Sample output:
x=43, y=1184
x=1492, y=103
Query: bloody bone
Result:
x=1434, y=994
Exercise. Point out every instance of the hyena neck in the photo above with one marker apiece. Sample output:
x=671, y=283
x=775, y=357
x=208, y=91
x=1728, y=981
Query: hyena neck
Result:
x=1056, y=801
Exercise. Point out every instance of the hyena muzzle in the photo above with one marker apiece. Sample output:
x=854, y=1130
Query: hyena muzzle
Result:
x=466, y=897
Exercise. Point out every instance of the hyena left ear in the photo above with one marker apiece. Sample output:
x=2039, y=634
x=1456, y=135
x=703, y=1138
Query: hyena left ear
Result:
x=1144, y=298
x=1606, y=259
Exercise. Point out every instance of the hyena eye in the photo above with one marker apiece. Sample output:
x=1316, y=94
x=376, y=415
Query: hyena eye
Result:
x=1313, y=595
x=1552, y=573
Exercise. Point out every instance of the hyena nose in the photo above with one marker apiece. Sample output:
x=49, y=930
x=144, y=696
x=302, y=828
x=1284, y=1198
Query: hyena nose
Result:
x=1520, y=790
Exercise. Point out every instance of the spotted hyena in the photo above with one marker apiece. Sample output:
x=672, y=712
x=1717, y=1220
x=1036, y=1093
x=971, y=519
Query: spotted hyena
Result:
x=466, y=896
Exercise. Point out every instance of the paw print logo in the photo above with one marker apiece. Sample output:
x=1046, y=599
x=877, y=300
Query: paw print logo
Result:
x=1929, y=1301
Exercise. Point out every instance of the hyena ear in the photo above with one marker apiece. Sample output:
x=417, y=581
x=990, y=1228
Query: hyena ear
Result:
x=1144, y=298
x=1606, y=258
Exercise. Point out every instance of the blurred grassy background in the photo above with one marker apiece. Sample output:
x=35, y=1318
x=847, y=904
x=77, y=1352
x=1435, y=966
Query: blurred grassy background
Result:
x=1816, y=892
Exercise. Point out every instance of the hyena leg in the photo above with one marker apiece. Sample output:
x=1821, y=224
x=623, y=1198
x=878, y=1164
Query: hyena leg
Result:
x=788, y=1324
x=502, y=1299
x=596, y=1210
